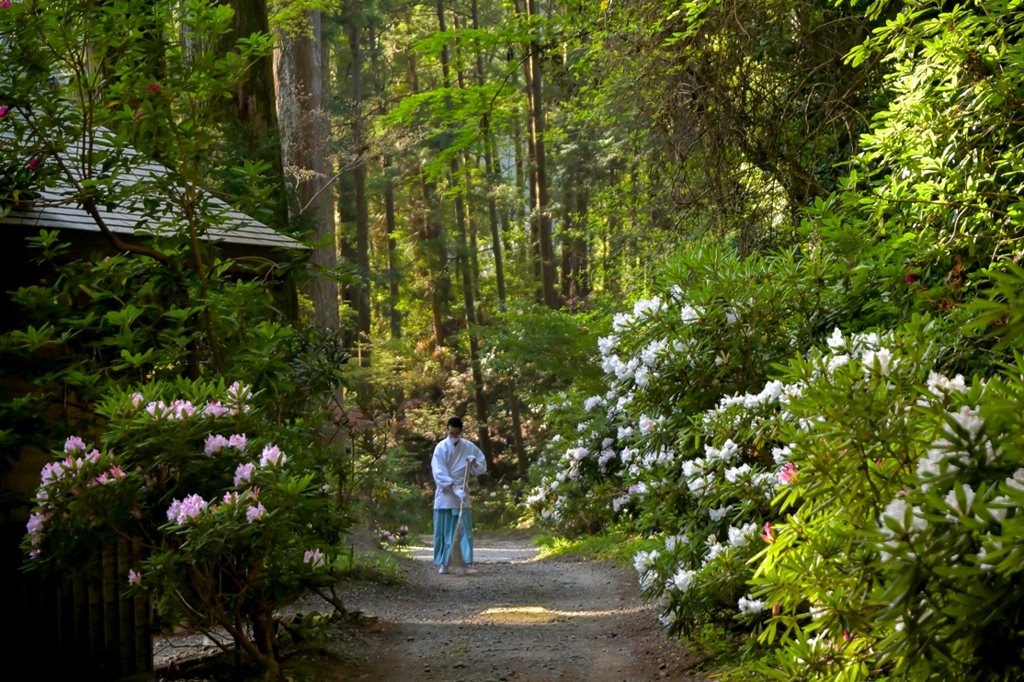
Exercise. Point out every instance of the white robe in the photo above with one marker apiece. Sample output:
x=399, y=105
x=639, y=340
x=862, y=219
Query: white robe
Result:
x=449, y=468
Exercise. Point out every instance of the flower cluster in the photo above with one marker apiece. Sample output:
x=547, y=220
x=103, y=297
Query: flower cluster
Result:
x=216, y=442
x=236, y=399
x=68, y=477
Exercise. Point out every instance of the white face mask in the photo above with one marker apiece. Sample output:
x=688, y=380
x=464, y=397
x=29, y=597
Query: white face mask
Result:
x=454, y=440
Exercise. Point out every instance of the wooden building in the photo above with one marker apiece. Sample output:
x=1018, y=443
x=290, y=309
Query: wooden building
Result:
x=80, y=625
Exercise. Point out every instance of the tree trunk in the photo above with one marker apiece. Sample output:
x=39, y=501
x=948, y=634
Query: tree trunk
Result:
x=432, y=237
x=519, y=209
x=517, y=428
x=566, y=240
x=305, y=144
x=492, y=206
x=394, y=316
x=474, y=252
x=251, y=111
x=465, y=267
x=531, y=162
x=581, y=268
x=537, y=134
x=362, y=288
x=389, y=214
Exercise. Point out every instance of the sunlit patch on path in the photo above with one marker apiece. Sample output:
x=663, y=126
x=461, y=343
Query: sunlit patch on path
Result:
x=518, y=618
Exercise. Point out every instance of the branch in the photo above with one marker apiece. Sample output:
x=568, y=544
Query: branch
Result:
x=89, y=202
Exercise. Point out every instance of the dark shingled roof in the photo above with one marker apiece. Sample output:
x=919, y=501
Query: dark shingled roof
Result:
x=51, y=211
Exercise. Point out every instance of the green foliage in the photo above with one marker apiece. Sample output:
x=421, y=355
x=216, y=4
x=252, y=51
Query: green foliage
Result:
x=945, y=155
x=615, y=544
x=222, y=535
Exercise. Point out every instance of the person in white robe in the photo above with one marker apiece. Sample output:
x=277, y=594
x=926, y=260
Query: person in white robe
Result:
x=454, y=460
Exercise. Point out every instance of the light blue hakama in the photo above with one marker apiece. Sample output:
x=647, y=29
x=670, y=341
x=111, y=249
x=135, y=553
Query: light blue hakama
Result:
x=445, y=521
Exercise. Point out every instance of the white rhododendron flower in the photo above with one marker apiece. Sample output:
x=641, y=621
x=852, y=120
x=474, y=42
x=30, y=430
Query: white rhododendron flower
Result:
x=748, y=606
x=683, y=579
x=836, y=342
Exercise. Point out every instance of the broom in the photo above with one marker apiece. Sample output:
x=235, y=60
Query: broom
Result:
x=456, y=545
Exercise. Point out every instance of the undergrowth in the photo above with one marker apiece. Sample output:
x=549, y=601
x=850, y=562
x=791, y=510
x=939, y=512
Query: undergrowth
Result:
x=615, y=544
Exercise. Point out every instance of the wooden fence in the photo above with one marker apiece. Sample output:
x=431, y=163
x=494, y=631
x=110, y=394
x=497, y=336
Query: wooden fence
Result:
x=79, y=623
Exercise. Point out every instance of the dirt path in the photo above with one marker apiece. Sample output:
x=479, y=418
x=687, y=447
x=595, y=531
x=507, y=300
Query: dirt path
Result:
x=517, y=619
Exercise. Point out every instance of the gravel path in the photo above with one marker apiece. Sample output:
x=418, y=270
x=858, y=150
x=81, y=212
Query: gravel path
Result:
x=516, y=619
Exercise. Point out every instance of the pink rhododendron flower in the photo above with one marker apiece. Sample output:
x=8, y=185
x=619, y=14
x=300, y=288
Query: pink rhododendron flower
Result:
x=137, y=399
x=4, y=4
x=35, y=522
x=138, y=114
x=157, y=408
x=116, y=473
x=94, y=456
x=313, y=557
x=134, y=577
x=768, y=535
x=215, y=443
x=74, y=444
x=272, y=456
x=237, y=394
x=34, y=554
x=215, y=410
x=244, y=473
x=34, y=163
x=189, y=508
x=911, y=278
x=254, y=493
x=231, y=498
x=182, y=409
x=5, y=110
x=53, y=471
x=154, y=87
x=788, y=473
x=237, y=441
x=238, y=391
x=255, y=513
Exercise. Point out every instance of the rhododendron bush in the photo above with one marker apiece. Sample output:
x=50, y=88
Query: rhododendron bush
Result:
x=834, y=494
x=233, y=514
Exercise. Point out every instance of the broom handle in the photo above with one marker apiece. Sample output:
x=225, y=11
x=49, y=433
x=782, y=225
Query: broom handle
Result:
x=462, y=504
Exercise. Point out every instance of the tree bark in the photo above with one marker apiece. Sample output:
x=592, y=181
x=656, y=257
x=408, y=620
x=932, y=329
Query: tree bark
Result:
x=432, y=238
x=492, y=206
x=394, y=315
x=531, y=162
x=465, y=267
x=305, y=144
x=252, y=108
x=566, y=240
x=362, y=289
x=519, y=212
x=537, y=133
x=581, y=267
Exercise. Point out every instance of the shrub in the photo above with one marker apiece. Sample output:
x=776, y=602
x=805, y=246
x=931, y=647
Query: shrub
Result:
x=233, y=514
